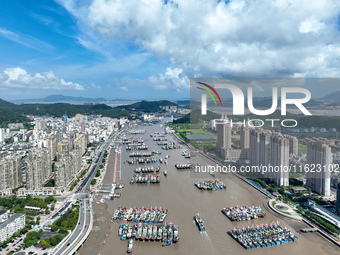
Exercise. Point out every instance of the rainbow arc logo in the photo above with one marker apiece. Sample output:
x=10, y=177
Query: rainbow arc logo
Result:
x=209, y=93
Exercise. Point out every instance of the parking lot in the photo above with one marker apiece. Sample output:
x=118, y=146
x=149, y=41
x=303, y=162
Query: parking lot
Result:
x=18, y=242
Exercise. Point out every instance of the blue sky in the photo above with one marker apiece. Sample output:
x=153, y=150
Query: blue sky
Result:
x=150, y=49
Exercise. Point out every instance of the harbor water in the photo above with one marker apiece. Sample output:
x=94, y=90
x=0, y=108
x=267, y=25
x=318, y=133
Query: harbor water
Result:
x=177, y=193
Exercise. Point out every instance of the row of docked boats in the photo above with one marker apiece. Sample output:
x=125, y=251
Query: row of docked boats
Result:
x=161, y=161
x=137, y=147
x=167, y=232
x=133, y=141
x=183, y=166
x=155, y=215
x=170, y=147
x=237, y=213
x=199, y=222
x=157, y=134
x=136, y=132
x=145, y=178
x=161, y=143
x=140, y=154
x=262, y=235
x=157, y=139
x=147, y=160
x=210, y=185
x=146, y=170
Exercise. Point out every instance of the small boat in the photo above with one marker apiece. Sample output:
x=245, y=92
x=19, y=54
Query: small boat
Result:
x=130, y=246
x=199, y=222
x=165, y=173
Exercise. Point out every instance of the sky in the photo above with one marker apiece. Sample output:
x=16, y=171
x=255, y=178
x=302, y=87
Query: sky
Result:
x=149, y=49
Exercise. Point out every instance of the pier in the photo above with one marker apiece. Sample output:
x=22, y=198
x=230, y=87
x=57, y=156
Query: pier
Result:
x=306, y=230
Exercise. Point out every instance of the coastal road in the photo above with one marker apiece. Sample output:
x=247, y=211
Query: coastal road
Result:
x=75, y=238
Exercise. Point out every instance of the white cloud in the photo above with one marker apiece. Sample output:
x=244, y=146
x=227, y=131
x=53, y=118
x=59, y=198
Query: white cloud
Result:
x=172, y=79
x=282, y=38
x=18, y=78
x=26, y=40
x=311, y=25
x=93, y=85
x=124, y=88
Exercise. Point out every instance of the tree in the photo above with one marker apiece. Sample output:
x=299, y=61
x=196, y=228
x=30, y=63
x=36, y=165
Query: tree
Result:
x=49, y=199
x=59, y=238
x=54, y=228
x=43, y=242
x=271, y=189
x=93, y=182
x=53, y=241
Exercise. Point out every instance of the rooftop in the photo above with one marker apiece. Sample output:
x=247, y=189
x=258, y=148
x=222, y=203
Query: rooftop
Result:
x=10, y=220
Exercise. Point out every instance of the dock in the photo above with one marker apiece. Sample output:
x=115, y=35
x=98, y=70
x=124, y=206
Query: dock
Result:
x=306, y=230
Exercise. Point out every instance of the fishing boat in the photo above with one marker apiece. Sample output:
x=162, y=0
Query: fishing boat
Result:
x=176, y=234
x=165, y=172
x=130, y=246
x=199, y=222
x=120, y=230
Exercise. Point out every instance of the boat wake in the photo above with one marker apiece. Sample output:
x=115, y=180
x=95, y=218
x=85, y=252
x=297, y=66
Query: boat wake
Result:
x=205, y=235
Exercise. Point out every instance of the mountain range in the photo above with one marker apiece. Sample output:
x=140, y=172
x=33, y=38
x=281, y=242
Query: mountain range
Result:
x=333, y=96
x=13, y=113
x=62, y=98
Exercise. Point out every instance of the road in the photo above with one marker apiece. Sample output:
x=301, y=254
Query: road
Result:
x=83, y=223
x=81, y=192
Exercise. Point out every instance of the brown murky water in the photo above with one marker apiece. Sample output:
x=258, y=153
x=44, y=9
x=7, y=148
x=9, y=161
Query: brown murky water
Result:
x=178, y=193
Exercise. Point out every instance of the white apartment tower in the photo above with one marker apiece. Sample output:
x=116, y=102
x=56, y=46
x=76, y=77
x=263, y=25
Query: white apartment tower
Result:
x=319, y=154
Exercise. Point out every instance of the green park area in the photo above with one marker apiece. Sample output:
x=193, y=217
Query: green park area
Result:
x=17, y=204
x=302, y=148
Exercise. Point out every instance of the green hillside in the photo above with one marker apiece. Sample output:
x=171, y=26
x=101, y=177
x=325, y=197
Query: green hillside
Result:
x=147, y=106
x=195, y=117
x=12, y=113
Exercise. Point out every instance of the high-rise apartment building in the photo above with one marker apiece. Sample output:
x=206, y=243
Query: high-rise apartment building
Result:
x=38, y=169
x=293, y=145
x=338, y=198
x=319, y=156
x=244, y=138
x=2, y=135
x=40, y=124
x=51, y=144
x=269, y=155
x=10, y=173
x=80, y=142
x=63, y=146
x=280, y=158
x=67, y=167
